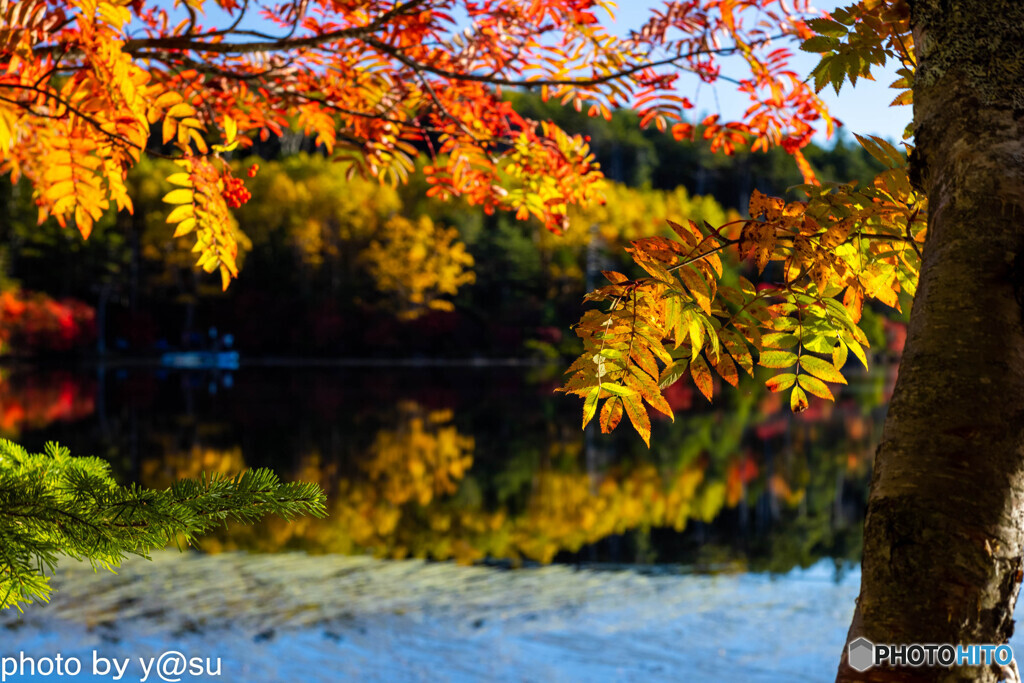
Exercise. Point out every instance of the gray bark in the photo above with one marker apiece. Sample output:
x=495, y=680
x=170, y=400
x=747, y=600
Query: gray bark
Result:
x=944, y=535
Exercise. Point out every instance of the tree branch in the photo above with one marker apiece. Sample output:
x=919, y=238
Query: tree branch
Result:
x=197, y=44
x=521, y=83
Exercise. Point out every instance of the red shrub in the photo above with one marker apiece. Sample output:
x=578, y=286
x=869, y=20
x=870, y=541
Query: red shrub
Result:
x=31, y=322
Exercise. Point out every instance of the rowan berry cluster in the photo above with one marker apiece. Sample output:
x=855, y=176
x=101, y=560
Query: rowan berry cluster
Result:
x=235, y=193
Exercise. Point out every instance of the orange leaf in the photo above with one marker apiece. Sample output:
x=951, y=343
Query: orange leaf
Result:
x=701, y=376
x=611, y=414
x=638, y=416
x=727, y=369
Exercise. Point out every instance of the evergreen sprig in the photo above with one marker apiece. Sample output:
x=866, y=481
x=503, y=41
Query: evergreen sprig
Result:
x=54, y=504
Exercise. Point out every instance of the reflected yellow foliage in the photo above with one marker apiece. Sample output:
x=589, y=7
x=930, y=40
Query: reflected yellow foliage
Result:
x=569, y=510
x=412, y=495
x=399, y=511
x=180, y=464
x=425, y=457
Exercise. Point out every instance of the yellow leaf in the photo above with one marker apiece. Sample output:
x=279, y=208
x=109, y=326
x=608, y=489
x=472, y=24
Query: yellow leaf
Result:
x=181, y=110
x=169, y=128
x=199, y=142
x=230, y=130
x=815, y=386
x=798, y=400
x=821, y=369
x=184, y=227
x=167, y=99
x=763, y=205
x=781, y=382
x=64, y=188
x=698, y=287
x=590, y=405
x=183, y=179
x=776, y=359
x=727, y=369
x=55, y=174
x=180, y=213
x=84, y=223
x=839, y=355
x=181, y=196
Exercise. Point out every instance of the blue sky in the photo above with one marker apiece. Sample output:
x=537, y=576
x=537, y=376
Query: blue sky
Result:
x=863, y=109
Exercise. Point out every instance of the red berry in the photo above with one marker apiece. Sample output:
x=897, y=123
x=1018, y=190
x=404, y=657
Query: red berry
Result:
x=253, y=170
x=235, y=193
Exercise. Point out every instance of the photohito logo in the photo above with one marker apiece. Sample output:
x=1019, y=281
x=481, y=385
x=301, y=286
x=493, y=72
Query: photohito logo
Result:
x=863, y=654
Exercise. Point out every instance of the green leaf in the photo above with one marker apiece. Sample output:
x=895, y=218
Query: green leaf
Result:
x=672, y=373
x=819, y=44
x=70, y=506
x=827, y=27
x=777, y=359
x=779, y=340
x=822, y=369
x=820, y=343
x=617, y=389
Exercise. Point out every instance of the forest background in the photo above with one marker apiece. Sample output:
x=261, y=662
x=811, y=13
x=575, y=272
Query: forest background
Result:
x=337, y=266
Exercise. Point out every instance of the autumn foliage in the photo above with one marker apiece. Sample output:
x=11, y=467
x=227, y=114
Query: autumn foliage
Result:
x=36, y=323
x=89, y=86
x=376, y=83
x=819, y=261
x=829, y=253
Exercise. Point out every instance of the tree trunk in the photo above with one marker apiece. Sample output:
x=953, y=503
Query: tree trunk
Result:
x=945, y=525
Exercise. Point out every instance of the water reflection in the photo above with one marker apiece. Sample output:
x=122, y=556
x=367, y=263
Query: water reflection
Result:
x=35, y=401
x=482, y=464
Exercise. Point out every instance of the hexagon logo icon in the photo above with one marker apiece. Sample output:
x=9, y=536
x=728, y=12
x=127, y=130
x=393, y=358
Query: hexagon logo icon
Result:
x=861, y=654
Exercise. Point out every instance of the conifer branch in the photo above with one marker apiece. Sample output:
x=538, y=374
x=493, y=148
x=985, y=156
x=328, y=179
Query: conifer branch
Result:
x=53, y=504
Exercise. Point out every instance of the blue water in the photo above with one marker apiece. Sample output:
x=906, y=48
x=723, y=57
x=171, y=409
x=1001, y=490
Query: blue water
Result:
x=624, y=626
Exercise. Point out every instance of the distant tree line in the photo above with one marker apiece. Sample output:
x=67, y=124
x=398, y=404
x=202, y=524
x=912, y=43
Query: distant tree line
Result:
x=338, y=266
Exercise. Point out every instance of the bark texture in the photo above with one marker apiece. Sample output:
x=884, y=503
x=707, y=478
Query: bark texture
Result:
x=944, y=536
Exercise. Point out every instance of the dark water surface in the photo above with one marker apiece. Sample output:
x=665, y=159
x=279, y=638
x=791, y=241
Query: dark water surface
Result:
x=482, y=464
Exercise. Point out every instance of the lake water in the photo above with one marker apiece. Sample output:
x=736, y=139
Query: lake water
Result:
x=475, y=532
